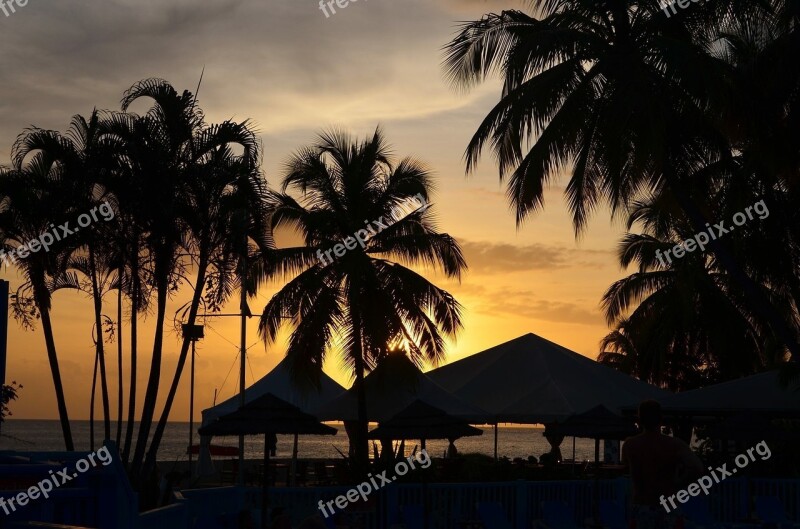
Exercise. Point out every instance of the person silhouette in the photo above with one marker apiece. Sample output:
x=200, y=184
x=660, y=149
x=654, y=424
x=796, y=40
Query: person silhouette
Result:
x=659, y=466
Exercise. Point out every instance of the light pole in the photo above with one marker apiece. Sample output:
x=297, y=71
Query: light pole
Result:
x=3, y=330
x=193, y=333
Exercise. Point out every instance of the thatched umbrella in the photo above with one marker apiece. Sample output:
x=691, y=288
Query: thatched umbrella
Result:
x=267, y=415
x=422, y=421
x=596, y=423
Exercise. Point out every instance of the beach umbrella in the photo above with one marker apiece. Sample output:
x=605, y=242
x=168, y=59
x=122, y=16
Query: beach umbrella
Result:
x=421, y=420
x=267, y=415
x=596, y=423
x=280, y=383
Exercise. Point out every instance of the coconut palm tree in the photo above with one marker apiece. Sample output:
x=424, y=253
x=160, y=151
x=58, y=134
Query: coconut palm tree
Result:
x=625, y=98
x=363, y=297
x=684, y=323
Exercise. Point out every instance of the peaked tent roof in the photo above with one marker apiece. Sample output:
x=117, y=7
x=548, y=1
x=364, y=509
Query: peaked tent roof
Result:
x=279, y=383
x=267, y=414
x=533, y=380
x=393, y=386
x=761, y=393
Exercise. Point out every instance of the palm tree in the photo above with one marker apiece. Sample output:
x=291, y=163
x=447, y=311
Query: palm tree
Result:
x=32, y=201
x=598, y=84
x=81, y=156
x=625, y=98
x=125, y=136
x=159, y=147
x=367, y=298
x=219, y=187
x=684, y=323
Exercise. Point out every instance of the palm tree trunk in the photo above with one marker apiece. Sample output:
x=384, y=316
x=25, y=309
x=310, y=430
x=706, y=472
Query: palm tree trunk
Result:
x=119, y=361
x=362, y=426
x=126, y=451
x=91, y=404
x=98, y=314
x=162, y=422
x=151, y=393
x=40, y=294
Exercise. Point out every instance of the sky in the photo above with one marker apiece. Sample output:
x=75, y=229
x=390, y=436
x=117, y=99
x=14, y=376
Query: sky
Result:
x=293, y=72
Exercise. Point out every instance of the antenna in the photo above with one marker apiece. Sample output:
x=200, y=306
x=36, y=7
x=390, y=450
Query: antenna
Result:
x=197, y=90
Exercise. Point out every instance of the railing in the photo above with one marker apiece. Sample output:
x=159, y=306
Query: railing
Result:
x=174, y=516
x=788, y=490
x=449, y=504
x=101, y=497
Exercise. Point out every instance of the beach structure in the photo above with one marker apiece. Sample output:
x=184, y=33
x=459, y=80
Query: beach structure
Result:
x=392, y=387
x=761, y=394
x=267, y=415
x=531, y=380
x=423, y=421
x=279, y=383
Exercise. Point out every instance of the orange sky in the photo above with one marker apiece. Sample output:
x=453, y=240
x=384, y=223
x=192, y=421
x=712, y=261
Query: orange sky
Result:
x=293, y=72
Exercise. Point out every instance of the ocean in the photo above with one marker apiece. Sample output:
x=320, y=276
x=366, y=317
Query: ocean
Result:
x=513, y=441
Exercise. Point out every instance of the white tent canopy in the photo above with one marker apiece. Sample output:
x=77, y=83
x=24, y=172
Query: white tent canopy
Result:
x=532, y=380
x=761, y=393
x=392, y=387
x=279, y=383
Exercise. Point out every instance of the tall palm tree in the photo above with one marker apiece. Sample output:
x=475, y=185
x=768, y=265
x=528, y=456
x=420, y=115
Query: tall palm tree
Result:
x=125, y=135
x=159, y=146
x=220, y=185
x=81, y=157
x=32, y=201
x=367, y=298
x=598, y=84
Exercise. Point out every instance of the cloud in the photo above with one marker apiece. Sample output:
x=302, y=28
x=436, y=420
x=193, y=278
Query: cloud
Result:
x=502, y=258
x=527, y=304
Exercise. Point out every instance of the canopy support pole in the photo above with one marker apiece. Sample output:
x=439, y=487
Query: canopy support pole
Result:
x=293, y=478
x=495, y=442
x=573, y=455
x=265, y=485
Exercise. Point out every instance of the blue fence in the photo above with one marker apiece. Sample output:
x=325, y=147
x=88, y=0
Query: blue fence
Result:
x=102, y=498
x=451, y=504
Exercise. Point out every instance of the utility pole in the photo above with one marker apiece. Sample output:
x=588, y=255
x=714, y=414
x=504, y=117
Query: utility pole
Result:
x=3, y=330
x=243, y=345
x=193, y=333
